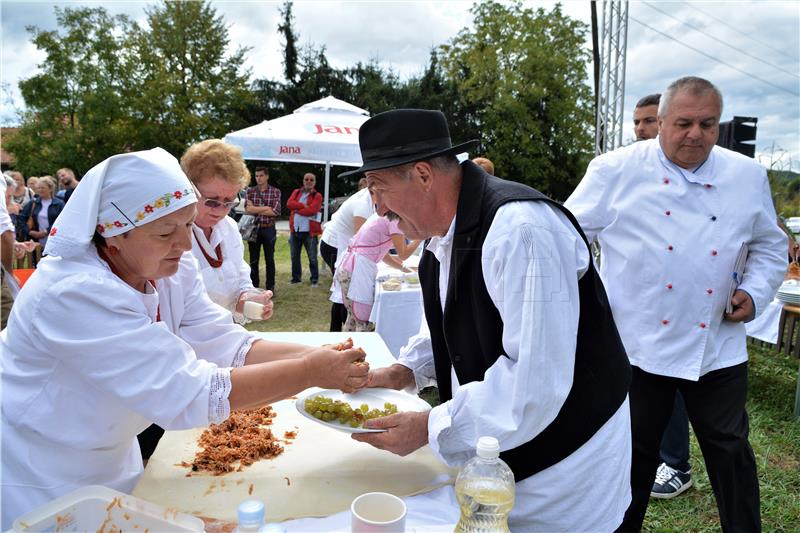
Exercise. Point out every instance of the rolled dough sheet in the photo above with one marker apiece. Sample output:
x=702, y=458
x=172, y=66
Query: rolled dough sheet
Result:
x=319, y=473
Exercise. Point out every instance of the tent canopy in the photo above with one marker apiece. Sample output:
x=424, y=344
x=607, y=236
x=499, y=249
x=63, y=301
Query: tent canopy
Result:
x=323, y=132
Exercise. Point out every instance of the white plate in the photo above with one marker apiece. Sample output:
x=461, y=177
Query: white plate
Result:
x=789, y=289
x=375, y=398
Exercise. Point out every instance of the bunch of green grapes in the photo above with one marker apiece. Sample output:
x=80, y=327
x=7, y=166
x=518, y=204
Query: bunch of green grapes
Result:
x=329, y=410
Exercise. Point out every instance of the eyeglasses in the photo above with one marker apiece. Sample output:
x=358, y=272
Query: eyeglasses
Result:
x=216, y=204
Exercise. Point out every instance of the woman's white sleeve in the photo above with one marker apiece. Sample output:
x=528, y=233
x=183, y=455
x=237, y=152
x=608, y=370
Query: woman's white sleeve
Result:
x=99, y=329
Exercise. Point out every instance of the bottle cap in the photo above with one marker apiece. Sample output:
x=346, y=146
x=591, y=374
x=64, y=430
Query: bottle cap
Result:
x=251, y=512
x=488, y=448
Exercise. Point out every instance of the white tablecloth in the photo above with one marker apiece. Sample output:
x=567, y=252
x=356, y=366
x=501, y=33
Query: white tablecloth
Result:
x=436, y=511
x=168, y=486
x=396, y=314
x=433, y=512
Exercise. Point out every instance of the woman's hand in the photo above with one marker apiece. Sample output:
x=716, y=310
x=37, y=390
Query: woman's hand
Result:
x=21, y=248
x=260, y=297
x=36, y=234
x=266, y=301
x=333, y=369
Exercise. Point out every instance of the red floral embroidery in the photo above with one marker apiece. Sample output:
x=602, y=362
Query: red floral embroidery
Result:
x=53, y=231
x=158, y=203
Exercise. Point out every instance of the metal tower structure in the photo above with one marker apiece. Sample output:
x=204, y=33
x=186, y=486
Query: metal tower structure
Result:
x=611, y=83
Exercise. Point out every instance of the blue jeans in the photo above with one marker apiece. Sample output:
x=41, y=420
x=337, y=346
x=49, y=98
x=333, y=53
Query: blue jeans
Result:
x=298, y=240
x=675, y=442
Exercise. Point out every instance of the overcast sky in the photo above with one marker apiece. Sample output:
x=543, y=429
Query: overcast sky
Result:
x=748, y=48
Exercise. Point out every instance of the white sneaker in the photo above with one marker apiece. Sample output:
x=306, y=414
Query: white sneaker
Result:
x=670, y=482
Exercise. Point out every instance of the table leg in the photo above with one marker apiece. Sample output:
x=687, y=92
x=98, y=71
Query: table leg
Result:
x=790, y=341
x=797, y=396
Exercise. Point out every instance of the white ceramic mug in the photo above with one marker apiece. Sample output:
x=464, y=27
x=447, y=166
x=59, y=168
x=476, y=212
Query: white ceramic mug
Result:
x=378, y=512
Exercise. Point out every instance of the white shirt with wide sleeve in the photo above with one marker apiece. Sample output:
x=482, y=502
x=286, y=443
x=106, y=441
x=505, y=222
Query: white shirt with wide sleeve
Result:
x=341, y=228
x=225, y=284
x=669, y=238
x=532, y=258
x=86, y=367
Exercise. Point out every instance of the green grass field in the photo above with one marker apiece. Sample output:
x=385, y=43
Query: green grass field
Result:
x=297, y=307
x=774, y=433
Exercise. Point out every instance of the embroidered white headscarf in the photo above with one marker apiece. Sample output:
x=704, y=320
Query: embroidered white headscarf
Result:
x=123, y=192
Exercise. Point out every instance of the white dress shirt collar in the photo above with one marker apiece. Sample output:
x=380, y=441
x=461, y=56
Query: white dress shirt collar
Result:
x=702, y=173
x=439, y=246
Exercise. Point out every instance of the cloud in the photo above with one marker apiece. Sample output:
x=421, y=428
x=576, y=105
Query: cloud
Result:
x=766, y=30
x=400, y=35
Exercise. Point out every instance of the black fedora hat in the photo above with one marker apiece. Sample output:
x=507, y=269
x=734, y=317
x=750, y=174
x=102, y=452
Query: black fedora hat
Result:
x=403, y=136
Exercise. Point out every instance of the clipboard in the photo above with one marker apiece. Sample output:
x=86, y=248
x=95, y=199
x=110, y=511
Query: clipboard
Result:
x=737, y=275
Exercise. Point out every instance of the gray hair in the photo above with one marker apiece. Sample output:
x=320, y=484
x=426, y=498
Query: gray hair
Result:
x=692, y=84
x=10, y=182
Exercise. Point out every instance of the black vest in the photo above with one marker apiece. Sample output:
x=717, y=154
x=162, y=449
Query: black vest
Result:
x=469, y=335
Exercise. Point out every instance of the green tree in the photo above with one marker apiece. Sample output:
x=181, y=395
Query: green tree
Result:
x=109, y=86
x=436, y=90
x=521, y=77
x=286, y=28
x=186, y=89
x=76, y=111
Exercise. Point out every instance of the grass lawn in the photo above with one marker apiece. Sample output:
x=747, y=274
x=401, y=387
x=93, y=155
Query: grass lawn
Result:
x=297, y=307
x=774, y=433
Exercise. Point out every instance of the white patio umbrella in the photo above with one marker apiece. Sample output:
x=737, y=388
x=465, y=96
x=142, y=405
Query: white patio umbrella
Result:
x=322, y=132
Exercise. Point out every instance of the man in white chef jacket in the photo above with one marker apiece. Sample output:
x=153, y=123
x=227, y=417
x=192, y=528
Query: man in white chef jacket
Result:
x=671, y=215
x=518, y=334
x=674, y=474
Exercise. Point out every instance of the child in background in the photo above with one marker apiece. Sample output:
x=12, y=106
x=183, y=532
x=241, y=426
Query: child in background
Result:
x=359, y=267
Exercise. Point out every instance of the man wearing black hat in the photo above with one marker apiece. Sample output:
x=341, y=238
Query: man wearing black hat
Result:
x=519, y=338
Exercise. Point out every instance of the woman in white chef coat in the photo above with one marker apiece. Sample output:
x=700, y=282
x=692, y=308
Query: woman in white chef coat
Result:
x=218, y=172
x=130, y=338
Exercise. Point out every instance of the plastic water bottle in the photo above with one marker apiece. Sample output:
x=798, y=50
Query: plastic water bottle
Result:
x=251, y=516
x=272, y=528
x=485, y=490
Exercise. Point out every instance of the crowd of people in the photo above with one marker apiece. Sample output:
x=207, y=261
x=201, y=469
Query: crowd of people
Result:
x=569, y=362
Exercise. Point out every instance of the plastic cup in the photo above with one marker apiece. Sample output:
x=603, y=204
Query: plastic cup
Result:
x=378, y=512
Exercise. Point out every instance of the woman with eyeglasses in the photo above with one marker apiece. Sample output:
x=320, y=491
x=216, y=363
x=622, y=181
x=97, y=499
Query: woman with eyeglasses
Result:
x=114, y=332
x=218, y=172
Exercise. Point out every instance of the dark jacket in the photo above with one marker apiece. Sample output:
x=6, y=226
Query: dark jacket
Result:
x=28, y=217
